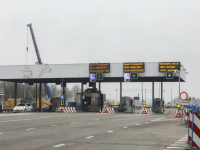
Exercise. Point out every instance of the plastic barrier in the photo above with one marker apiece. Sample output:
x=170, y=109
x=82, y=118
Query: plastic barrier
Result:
x=66, y=110
x=176, y=114
x=194, y=127
x=146, y=111
x=107, y=110
x=187, y=108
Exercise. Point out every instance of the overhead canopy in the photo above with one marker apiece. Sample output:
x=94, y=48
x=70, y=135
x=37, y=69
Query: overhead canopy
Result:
x=55, y=73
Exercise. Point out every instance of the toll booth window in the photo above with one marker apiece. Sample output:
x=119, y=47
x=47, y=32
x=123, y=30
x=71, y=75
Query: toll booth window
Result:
x=96, y=101
x=124, y=102
x=89, y=101
x=157, y=103
x=55, y=102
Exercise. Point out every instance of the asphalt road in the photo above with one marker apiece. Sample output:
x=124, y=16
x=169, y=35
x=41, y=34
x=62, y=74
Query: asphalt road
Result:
x=90, y=131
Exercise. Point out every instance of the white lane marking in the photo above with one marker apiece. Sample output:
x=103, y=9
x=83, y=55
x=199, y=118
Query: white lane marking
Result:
x=74, y=122
x=125, y=127
x=156, y=120
x=174, y=147
x=30, y=129
x=179, y=142
x=178, y=145
x=147, y=122
x=13, y=120
x=59, y=145
x=4, y=121
x=182, y=140
x=89, y=137
x=110, y=131
x=54, y=125
x=26, y=119
x=1, y=133
x=7, y=115
x=137, y=124
x=45, y=117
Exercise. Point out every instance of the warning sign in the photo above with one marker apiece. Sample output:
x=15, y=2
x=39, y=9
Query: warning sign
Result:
x=113, y=102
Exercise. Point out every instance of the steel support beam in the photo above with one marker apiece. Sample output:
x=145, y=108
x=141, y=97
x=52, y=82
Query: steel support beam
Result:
x=162, y=95
x=120, y=96
x=36, y=95
x=99, y=86
x=40, y=97
x=15, y=94
x=81, y=94
x=152, y=96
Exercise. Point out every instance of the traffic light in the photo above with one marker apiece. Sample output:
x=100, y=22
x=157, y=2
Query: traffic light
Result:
x=134, y=75
x=169, y=75
x=131, y=102
x=178, y=106
x=99, y=76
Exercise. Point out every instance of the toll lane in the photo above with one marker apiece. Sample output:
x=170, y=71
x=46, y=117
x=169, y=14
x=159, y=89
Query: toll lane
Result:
x=90, y=131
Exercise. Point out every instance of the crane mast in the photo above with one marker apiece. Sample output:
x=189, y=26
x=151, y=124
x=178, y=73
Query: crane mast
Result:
x=47, y=90
x=35, y=44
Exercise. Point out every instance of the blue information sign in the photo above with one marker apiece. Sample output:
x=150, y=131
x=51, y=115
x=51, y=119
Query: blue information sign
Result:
x=62, y=96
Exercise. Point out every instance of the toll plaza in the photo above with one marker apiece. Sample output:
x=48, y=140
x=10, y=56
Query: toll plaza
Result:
x=92, y=99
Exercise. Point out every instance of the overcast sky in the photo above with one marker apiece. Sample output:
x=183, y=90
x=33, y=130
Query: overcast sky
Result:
x=89, y=31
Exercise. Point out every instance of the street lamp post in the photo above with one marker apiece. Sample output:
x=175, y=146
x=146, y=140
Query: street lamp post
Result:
x=179, y=87
x=24, y=89
x=108, y=98
x=171, y=94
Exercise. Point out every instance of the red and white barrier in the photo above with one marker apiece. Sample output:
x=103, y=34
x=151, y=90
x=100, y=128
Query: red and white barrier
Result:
x=66, y=110
x=107, y=110
x=176, y=114
x=146, y=111
x=190, y=128
x=196, y=131
x=187, y=115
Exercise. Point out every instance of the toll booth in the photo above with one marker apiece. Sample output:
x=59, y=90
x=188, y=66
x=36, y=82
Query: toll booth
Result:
x=126, y=104
x=92, y=100
x=55, y=102
x=158, y=106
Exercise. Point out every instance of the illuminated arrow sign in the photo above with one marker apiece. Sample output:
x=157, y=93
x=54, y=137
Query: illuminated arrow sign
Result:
x=169, y=75
x=134, y=75
x=99, y=76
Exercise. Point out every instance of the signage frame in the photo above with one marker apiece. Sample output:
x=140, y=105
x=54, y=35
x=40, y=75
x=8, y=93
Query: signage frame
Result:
x=138, y=67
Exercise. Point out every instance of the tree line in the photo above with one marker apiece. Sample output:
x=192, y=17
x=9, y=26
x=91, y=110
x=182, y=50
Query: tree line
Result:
x=24, y=90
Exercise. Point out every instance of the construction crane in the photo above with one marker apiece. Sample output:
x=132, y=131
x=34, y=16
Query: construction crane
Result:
x=46, y=87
